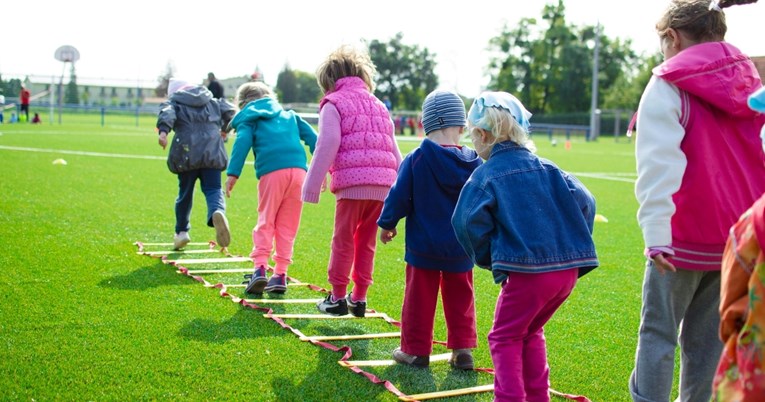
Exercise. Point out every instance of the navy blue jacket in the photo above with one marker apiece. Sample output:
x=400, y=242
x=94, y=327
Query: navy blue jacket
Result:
x=521, y=213
x=429, y=182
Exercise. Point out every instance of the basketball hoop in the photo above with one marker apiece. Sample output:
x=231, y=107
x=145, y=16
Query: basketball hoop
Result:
x=67, y=54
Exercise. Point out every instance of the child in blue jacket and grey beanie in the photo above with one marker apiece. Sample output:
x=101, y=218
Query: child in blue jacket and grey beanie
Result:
x=429, y=182
x=531, y=224
x=196, y=153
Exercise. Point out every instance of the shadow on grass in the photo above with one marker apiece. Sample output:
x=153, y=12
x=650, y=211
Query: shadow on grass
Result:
x=242, y=325
x=148, y=277
x=349, y=386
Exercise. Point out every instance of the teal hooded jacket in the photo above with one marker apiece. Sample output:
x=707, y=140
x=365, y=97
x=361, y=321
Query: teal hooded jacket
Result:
x=273, y=134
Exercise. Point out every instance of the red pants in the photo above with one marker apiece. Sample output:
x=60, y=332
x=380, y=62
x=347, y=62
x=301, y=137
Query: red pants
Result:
x=419, y=309
x=353, y=245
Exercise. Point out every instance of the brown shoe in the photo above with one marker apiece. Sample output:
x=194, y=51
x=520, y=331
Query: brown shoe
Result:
x=461, y=359
x=411, y=360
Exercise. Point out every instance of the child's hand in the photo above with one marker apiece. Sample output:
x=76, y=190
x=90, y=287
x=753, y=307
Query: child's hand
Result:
x=223, y=135
x=230, y=182
x=662, y=264
x=163, y=139
x=387, y=235
x=324, y=184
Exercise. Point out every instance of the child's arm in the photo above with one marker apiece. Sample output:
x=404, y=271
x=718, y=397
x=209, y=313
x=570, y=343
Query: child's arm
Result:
x=239, y=152
x=473, y=223
x=398, y=203
x=327, y=145
x=583, y=198
x=660, y=161
x=165, y=122
x=307, y=133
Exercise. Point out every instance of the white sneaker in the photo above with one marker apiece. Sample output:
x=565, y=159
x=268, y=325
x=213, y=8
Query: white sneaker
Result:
x=180, y=240
x=222, y=234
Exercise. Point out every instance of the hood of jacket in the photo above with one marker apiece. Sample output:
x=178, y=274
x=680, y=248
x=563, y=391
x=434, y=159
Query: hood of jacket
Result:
x=450, y=169
x=196, y=96
x=716, y=72
x=263, y=108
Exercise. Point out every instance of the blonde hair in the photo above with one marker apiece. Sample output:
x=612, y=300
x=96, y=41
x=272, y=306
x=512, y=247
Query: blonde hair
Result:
x=346, y=61
x=504, y=127
x=250, y=91
x=695, y=19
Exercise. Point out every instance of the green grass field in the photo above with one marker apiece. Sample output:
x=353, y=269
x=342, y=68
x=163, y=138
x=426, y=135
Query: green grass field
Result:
x=84, y=317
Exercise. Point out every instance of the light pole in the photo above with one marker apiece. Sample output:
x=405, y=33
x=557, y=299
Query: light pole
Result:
x=594, y=111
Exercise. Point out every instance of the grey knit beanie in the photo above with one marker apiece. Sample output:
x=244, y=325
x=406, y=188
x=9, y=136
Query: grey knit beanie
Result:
x=442, y=109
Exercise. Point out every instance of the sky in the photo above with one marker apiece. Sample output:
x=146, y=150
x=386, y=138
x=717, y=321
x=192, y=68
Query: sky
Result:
x=133, y=42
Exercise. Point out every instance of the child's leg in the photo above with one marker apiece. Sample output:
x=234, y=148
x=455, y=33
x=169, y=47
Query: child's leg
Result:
x=341, y=255
x=211, y=187
x=270, y=193
x=665, y=299
x=525, y=303
x=365, y=240
x=700, y=344
x=419, y=310
x=288, y=219
x=458, y=301
x=183, y=203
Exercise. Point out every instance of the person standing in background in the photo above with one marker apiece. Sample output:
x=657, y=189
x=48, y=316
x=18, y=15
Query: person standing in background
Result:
x=24, y=96
x=214, y=86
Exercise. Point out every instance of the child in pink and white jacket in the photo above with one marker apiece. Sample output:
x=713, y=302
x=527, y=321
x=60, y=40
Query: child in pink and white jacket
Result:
x=699, y=167
x=357, y=147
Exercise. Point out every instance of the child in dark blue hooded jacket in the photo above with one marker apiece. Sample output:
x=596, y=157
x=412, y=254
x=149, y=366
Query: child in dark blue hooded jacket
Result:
x=429, y=182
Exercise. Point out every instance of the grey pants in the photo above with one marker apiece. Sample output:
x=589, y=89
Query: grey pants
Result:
x=684, y=300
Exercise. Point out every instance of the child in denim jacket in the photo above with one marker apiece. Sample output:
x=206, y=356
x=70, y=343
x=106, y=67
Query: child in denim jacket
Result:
x=530, y=223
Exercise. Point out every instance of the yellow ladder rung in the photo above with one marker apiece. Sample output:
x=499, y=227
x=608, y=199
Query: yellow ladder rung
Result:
x=370, y=363
x=208, y=260
x=324, y=316
x=219, y=271
x=449, y=393
x=283, y=301
x=173, y=244
x=200, y=251
x=350, y=337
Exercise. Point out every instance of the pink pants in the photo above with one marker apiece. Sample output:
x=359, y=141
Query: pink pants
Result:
x=279, y=209
x=516, y=341
x=419, y=309
x=353, y=246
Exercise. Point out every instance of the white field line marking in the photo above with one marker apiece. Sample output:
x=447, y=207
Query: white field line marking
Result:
x=370, y=363
x=607, y=176
x=86, y=153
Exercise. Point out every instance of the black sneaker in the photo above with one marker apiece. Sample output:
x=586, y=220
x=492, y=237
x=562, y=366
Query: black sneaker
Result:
x=277, y=284
x=257, y=281
x=337, y=307
x=358, y=308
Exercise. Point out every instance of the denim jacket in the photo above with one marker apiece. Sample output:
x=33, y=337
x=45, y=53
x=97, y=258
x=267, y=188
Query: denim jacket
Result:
x=521, y=213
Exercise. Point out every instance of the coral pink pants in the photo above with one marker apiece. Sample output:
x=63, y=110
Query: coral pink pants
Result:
x=279, y=209
x=353, y=246
x=419, y=309
x=517, y=342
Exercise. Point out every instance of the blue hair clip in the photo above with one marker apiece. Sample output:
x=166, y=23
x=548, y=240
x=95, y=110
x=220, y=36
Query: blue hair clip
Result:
x=757, y=100
x=502, y=100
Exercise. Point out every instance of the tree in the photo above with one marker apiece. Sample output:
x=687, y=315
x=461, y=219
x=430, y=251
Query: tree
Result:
x=164, y=80
x=626, y=91
x=406, y=74
x=308, y=88
x=286, y=85
x=71, y=95
x=550, y=67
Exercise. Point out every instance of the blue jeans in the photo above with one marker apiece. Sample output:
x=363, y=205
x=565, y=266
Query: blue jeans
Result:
x=210, y=183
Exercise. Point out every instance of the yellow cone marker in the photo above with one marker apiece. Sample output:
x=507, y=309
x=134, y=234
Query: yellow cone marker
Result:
x=600, y=218
x=59, y=162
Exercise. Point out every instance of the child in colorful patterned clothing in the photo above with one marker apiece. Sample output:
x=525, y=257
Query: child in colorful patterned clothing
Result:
x=741, y=371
